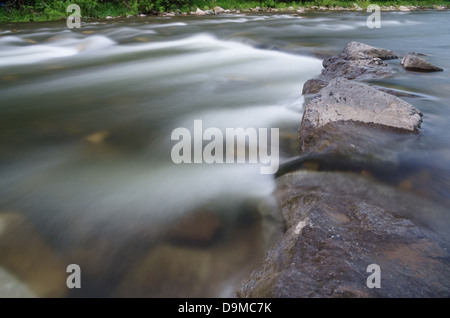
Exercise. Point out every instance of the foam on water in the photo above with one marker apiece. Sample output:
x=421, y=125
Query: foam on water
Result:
x=228, y=62
x=37, y=53
x=34, y=54
x=213, y=65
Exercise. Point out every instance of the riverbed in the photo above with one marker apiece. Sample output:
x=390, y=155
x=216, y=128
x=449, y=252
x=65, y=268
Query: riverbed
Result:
x=86, y=118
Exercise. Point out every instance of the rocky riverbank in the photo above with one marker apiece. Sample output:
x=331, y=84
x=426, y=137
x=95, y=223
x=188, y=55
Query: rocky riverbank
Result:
x=339, y=223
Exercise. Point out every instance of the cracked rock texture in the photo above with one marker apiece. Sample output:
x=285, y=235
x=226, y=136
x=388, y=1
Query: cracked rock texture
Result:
x=339, y=224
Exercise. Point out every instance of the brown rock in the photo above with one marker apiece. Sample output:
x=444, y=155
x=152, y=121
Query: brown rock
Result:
x=28, y=257
x=12, y=287
x=313, y=86
x=338, y=224
x=342, y=66
x=199, y=228
x=348, y=116
x=215, y=270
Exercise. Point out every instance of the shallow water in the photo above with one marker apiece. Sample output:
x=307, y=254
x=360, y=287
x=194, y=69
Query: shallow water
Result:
x=86, y=118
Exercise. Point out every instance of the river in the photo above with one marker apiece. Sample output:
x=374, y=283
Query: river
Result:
x=86, y=117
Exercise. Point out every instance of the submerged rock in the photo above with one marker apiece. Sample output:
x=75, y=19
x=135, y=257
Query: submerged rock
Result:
x=183, y=270
x=11, y=287
x=338, y=225
x=414, y=63
x=314, y=85
x=25, y=254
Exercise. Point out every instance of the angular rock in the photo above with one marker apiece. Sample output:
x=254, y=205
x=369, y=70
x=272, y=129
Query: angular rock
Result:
x=343, y=100
x=356, y=7
x=353, y=120
x=414, y=63
x=339, y=224
x=313, y=86
x=199, y=12
x=11, y=287
x=351, y=67
x=198, y=229
x=359, y=50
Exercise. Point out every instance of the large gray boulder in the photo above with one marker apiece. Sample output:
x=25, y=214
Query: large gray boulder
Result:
x=338, y=224
x=412, y=62
x=361, y=50
x=343, y=100
x=347, y=114
x=199, y=12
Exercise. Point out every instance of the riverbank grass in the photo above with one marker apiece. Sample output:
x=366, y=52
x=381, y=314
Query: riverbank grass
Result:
x=56, y=10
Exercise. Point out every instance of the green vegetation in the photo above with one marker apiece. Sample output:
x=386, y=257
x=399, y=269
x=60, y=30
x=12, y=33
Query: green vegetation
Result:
x=46, y=10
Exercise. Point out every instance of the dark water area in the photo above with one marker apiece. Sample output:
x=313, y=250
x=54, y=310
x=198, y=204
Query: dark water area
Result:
x=86, y=117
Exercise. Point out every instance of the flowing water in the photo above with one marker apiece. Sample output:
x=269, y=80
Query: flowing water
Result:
x=86, y=117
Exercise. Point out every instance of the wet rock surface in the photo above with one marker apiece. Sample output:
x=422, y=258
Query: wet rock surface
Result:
x=343, y=100
x=12, y=287
x=358, y=61
x=314, y=85
x=354, y=120
x=348, y=67
x=201, y=228
x=339, y=224
x=181, y=269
